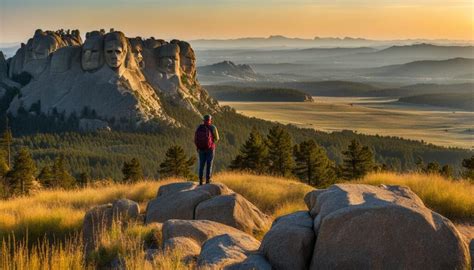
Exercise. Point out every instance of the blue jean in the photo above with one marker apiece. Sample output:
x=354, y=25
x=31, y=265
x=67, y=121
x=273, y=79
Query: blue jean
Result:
x=205, y=159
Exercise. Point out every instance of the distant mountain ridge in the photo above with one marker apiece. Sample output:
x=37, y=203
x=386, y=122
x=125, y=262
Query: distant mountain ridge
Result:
x=283, y=41
x=450, y=68
x=228, y=70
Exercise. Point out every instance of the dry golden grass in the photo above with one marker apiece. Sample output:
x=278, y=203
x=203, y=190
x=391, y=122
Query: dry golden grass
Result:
x=58, y=214
x=275, y=196
x=61, y=212
x=46, y=225
x=453, y=199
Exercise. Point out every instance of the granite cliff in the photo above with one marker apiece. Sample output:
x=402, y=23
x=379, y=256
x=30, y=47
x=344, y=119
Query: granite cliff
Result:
x=116, y=77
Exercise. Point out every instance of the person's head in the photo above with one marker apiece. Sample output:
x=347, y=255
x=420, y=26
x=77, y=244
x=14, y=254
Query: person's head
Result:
x=207, y=119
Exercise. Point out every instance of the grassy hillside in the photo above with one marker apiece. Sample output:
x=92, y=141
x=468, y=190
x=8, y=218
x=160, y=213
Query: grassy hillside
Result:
x=464, y=101
x=54, y=217
x=101, y=154
x=450, y=68
x=235, y=93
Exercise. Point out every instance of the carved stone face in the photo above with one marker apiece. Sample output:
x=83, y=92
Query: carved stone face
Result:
x=137, y=49
x=114, y=53
x=43, y=45
x=168, y=58
x=92, y=52
x=187, y=58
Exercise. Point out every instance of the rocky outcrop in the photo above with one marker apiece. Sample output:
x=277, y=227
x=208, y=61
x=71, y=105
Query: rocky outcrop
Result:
x=213, y=202
x=220, y=246
x=364, y=227
x=120, y=79
x=347, y=226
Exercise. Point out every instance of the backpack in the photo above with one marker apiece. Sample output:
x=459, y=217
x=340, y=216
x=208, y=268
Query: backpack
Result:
x=203, y=138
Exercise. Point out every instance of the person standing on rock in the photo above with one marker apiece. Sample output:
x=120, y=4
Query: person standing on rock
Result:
x=205, y=139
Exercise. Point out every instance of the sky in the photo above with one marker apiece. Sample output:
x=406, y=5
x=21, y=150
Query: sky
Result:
x=198, y=19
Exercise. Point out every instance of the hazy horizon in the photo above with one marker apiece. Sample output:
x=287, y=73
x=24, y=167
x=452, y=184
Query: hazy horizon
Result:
x=212, y=19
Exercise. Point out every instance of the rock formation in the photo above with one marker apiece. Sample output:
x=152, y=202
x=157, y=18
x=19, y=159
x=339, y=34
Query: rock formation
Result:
x=214, y=202
x=101, y=218
x=353, y=226
x=346, y=226
x=121, y=79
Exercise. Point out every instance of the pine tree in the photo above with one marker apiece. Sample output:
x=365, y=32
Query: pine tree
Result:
x=468, y=165
x=20, y=178
x=420, y=165
x=253, y=154
x=313, y=165
x=132, y=171
x=62, y=177
x=56, y=175
x=84, y=179
x=7, y=140
x=46, y=177
x=3, y=173
x=358, y=161
x=432, y=168
x=280, y=152
x=176, y=163
x=447, y=171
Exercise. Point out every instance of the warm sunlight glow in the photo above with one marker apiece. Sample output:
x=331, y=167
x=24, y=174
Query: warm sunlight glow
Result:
x=211, y=19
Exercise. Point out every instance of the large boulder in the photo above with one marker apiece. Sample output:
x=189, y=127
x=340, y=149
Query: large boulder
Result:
x=95, y=222
x=290, y=241
x=102, y=217
x=179, y=205
x=387, y=227
x=179, y=200
x=224, y=250
x=233, y=210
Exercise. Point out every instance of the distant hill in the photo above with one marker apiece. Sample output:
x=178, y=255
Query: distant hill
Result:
x=227, y=71
x=322, y=88
x=287, y=42
x=235, y=93
x=450, y=68
x=427, y=51
x=422, y=89
x=464, y=101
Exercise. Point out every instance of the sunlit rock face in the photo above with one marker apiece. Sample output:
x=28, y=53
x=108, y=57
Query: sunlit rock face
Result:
x=187, y=58
x=168, y=59
x=63, y=59
x=117, y=50
x=119, y=78
x=92, y=56
x=34, y=56
x=136, y=45
x=3, y=66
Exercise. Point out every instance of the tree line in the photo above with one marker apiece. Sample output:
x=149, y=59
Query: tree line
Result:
x=20, y=176
x=275, y=154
